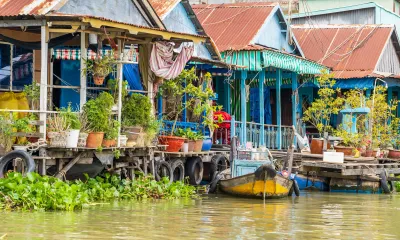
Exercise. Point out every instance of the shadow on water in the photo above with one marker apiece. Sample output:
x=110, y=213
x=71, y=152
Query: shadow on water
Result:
x=312, y=215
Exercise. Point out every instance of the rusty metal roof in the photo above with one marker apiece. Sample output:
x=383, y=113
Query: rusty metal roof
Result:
x=233, y=26
x=352, y=51
x=162, y=7
x=10, y=8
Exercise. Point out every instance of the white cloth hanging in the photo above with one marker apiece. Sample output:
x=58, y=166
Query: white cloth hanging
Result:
x=162, y=63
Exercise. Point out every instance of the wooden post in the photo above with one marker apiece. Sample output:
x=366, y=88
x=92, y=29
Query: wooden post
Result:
x=243, y=111
x=227, y=89
x=82, y=92
x=160, y=107
x=262, y=110
x=184, y=100
x=43, y=77
x=120, y=76
x=278, y=107
x=67, y=167
x=295, y=94
x=233, y=126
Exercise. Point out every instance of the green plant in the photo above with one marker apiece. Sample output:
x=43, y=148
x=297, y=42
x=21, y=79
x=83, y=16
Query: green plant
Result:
x=349, y=139
x=189, y=134
x=56, y=123
x=112, y=132
x=152, y=129
x=98, y=112
x=112, y=84
x=44, y=193
x=198, y=97
x=327, y=104
x=32, y=92
x=136, y=111
x=101, y=66
x=6, y=131
x=71, y=119
x=117, y=153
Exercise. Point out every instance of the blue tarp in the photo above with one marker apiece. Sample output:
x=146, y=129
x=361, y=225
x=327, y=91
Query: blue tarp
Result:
x=131, y=74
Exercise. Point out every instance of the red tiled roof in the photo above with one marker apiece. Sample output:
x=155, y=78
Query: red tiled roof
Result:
x=26, y=7
x=233, y=26
x=352, y=51
x=162, y=7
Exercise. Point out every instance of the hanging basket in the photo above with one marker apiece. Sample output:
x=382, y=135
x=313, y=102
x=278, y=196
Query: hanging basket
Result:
x=57, y=139
x=98, y=80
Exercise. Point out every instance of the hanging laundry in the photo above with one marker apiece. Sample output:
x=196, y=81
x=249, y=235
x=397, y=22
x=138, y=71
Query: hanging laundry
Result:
x=162, y=63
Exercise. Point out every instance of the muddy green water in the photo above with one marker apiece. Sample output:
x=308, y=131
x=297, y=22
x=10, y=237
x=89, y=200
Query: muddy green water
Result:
x=311, y=216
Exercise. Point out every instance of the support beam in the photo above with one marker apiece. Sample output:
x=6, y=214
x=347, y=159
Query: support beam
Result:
x=278, y=107
x=262, y=110
x=243, y=111
x=44, y=38
x=83, y=90
x=228, y=94
x=160, y=107
x=295, y=95
x=120, y=77
x=184, y=100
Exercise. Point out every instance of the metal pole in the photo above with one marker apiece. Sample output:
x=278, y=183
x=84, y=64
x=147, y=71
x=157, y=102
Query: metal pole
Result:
x=82, y=92
x=43, y=77
x=120, y=79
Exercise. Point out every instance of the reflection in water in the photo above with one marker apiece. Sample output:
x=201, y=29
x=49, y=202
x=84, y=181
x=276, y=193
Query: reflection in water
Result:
x=313, y=215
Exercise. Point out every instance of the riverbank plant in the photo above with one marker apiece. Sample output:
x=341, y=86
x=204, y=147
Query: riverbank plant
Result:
x=45, y=193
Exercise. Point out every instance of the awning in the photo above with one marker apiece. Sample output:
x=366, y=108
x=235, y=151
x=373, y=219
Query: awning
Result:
x=256, y=60
x=75, y=54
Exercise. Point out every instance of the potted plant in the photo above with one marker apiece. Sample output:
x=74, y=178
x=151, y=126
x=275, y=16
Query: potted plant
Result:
x=32, y=92
x=97, y=112
x=22, y=125
x=6, y=133
x=100, y=67
x=136, y=113
x=57, y=130
x=71, y=119
x=192, y=138
x=319, y=113
x=349, y=143
x=151, y=129
x=111, y=134
x=84, y=131
x=113, y=85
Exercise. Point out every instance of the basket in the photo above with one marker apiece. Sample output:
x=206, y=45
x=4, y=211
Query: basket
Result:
x=57, y=139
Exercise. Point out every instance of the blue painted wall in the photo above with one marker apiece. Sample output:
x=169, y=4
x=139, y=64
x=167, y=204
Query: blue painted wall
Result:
x=70, y=73
x=178, y=20
x=271, y=35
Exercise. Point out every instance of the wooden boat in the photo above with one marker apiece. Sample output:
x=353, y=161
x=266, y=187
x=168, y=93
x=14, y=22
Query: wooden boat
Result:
x=264, y=180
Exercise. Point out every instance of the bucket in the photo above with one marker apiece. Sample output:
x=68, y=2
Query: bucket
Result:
x=185, y=147
x=95, y=139
x=198, y=144
x=72, y=138
x=122, y=140
x=207, y=143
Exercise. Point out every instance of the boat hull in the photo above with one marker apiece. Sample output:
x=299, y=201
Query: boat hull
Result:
x=249, y=186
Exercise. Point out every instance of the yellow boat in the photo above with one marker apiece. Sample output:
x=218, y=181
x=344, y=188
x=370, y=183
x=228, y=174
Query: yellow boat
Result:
x=264, y=180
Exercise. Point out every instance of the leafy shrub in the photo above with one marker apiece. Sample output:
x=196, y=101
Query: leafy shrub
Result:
x=136, y=111
x=35, y=192
x=71, y=118
x=98, y=112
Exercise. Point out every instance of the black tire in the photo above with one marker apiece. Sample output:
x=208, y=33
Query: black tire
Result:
x=178, y=170
x=214, y=182
x=8, y=158
x=194, y=170
x=384, y=183
x=295, y=188
x=163, y=169
x=219, y=163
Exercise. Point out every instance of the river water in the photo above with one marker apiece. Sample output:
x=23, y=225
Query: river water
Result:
x=313, y=215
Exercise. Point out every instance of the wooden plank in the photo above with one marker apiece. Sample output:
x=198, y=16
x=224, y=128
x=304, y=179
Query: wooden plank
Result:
x=352, y=177
x=22, y=134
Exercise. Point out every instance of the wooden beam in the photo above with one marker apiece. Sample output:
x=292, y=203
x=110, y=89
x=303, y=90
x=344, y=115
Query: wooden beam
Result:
x=83, y=81
x=20, y=23
x=261, y=104
x=278, y=107
x=97, y=23
x=43, y=77
x=243, y=111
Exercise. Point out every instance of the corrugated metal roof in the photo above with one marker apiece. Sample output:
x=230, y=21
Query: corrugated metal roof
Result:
x=352, y=51
x=162, y=7
x=233, y=26
x=26, y=7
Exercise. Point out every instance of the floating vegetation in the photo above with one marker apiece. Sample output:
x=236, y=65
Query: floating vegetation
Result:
x=397, y=184
x=44, y=193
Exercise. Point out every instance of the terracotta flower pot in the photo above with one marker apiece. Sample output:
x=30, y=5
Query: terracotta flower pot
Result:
x=394, y=154
x=317, y=146
x=191, y=145
x=174, y=143
x=369, y=153
x=348, y=151
x=198, y=145
x=109, y=143
x=98, y=80
x=95, y=139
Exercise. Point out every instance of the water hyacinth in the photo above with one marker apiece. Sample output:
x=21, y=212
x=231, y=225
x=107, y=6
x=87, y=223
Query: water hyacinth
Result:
x=35, y=192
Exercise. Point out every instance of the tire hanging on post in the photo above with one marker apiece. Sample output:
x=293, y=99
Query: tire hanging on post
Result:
x=178, y=170
x=18, y=154
x=194, y=170
x=163, y=169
